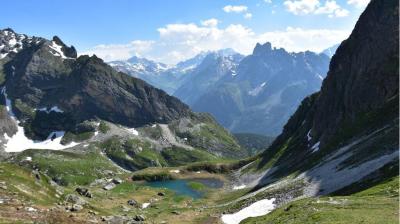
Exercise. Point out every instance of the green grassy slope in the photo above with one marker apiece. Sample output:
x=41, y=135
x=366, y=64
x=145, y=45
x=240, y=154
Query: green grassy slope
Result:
x=375, y=205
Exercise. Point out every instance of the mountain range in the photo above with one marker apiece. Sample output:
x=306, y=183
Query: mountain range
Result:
x=81, y=142
x=50, y=93
x=252, y=94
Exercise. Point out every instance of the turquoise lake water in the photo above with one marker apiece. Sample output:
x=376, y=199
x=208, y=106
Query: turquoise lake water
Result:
x=181, y=187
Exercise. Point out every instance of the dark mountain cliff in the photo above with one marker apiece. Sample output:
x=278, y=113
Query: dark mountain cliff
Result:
x=45, y=74
x=353, y=120
x=363, y=73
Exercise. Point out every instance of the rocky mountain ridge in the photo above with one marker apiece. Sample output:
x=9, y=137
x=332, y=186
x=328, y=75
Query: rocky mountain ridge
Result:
x=264, y=90
x=50, y=93
x=166, y=77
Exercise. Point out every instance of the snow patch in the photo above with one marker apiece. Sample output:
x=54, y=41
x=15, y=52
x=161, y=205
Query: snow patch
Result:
x=19, y=142
x=12, y=41
x=315, y=147
x=258, y=208
x=54, y=108
x=257, y=90
x=133, y=131
x=145, y=205
x=309, y=136
x=238, y=187
x=57, y=50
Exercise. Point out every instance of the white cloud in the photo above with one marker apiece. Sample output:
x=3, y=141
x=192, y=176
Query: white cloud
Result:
x=358, y=3
x=305, y=7
x=268, y=1
x=298, y=39
x=301, y=7
x=177, y=42
x=113, y=52
x=210, y=22
x=235, y=8
x=238, y=9
x=248, y=15
x=332, y=9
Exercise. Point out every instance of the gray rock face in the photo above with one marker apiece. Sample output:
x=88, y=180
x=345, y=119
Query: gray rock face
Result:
x=363, y=73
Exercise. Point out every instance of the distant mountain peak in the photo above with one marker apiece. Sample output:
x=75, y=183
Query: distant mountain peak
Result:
x=12, y=43
x=226, y=52
x=69, y=52
x=330, y=51
x=261, y=49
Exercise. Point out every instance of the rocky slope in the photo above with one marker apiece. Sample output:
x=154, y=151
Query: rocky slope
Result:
x=348, y=131
x=48, y=91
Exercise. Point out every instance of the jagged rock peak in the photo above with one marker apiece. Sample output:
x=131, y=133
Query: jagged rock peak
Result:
x=262, y=49
x=68, y=51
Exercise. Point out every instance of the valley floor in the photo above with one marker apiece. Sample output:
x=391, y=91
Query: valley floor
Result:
x=30, y=197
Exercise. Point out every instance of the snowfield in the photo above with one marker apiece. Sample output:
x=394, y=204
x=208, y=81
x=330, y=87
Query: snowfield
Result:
x=258, y=208
x=19, y=142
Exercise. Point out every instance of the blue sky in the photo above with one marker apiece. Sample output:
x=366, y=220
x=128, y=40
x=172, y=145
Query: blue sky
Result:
x=174, y=30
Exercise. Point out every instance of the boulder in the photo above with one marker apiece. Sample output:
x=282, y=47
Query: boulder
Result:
x=139, y=218
x=117, y=181
x=109, y=186
x=74, y=199
x=84, y=192
x=76, y=208
x=133, y=202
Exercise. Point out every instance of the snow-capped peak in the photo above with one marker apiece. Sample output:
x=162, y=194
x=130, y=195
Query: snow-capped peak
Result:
x=56, y=50
x=11, y=42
